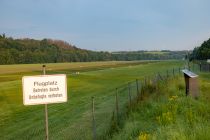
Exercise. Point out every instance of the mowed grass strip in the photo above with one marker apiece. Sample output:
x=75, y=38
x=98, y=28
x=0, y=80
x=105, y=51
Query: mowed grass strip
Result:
x=75, y=66
x=71, y=120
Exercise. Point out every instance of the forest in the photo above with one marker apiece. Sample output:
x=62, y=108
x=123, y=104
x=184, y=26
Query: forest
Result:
x=27, y=51
x=201, y=52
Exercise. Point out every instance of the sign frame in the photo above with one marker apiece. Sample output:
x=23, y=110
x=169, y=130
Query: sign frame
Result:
x=42, y=76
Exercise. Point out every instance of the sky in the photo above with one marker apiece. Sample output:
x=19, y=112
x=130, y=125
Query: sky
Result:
x=110, y=25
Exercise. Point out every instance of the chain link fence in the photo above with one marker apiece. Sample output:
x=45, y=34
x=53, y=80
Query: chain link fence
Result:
x=107, y=117
x=106, y=113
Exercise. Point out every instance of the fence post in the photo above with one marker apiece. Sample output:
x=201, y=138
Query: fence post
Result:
x=117, y=107
x=93, y=121
x=156, y=81
x=137, y=87
x=173, y=72
x=157, y=78
x=209, y=67
x=160, y=76
x=129, y=93
x=148, y=80
x=200, y=67
x=145, y=81
x=179, y=70
x=167, y=73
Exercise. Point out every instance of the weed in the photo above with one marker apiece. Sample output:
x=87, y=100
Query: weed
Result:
x=143, y=136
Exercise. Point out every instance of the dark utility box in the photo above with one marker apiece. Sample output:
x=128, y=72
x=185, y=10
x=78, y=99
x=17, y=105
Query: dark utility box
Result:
x=191, y=81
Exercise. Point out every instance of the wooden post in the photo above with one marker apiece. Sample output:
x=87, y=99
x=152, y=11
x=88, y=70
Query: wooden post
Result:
x=173, y=72
x=93, y=121
x=209, y=67
x=129, y=93
x=160, y=77
x=156, y=81
x=137, y=87
x=179, y=70
x=148, y=81
x=145, y=81
x=157, y=77
x=46, y=112
x=167, y=74
x=200, y=67
x=117, y=106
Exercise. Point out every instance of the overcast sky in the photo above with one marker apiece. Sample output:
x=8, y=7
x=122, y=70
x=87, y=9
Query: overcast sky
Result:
x=110, y=25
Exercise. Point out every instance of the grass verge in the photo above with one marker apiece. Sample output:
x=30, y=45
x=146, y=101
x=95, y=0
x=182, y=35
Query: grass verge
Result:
x=168, y=114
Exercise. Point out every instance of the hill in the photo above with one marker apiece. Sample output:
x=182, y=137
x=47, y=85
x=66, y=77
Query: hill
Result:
x=19, y=51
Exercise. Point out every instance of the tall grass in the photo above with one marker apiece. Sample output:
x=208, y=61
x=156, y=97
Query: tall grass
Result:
x=169, y=114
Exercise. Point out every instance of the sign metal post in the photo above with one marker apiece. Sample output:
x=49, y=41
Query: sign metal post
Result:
x=93, y=121
x=46, y=111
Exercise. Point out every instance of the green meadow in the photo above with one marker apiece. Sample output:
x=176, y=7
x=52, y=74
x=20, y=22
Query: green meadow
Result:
x=73, y=119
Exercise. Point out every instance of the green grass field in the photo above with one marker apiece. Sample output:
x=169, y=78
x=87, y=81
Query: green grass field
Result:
x=71, y=120
x=70, y=67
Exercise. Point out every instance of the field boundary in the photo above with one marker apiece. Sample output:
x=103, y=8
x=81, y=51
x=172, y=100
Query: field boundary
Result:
x=128, y=95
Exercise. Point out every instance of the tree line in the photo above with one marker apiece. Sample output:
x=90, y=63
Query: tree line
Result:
x=25, y=51
x=201, y=52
